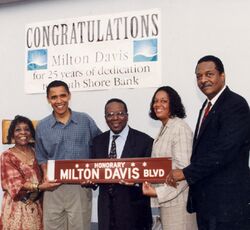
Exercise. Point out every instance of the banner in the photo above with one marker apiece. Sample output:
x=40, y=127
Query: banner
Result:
x=135, y=170
x=95, y=52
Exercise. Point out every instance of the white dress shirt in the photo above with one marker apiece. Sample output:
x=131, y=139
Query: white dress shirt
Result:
x=120, y=141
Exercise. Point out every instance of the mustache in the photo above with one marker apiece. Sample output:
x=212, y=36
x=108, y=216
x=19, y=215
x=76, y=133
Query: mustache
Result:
x=205, y=84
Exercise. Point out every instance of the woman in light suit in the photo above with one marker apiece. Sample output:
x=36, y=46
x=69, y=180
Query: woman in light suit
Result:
x=174, y=140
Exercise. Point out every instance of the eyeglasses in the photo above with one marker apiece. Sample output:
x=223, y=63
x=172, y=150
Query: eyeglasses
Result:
x=111, y=115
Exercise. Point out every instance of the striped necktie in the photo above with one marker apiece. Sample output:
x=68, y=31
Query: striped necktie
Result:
x=113, y=153
x=207, y=109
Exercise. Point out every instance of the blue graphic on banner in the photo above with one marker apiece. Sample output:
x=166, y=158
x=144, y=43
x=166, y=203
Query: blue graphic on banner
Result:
x=37, y=59
x=145, y=50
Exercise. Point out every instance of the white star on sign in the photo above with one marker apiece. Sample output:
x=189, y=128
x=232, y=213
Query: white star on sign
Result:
x=132, y=164
x=77, y=165
x=87, y=165
x=144, y=164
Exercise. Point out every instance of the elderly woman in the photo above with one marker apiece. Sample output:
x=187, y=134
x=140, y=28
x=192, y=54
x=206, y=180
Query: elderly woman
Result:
x=21, y=179
x=174, y=140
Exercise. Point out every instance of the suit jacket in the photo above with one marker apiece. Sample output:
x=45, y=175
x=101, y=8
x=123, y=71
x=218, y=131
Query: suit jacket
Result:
x=174, y=140
x=219, y=176
x=130, y=207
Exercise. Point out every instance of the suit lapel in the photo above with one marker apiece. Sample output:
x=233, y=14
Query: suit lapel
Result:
x=198, y=122
x=211, y=114
x=206, y=121
x=105, y=145
x=129, y=145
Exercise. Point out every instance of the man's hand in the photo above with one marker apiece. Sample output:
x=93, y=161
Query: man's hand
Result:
x=89, y=184
x=123, y=182
x=174, y=176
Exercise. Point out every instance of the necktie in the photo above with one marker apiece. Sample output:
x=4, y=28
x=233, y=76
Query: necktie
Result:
x=111, y=187
x=113, y=153
x=207, y=109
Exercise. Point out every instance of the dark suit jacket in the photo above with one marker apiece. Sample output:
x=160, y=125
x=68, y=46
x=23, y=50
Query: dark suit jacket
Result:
x=131, y=208
x=219, y=175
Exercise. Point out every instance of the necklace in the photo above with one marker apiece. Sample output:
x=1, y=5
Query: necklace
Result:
x=25, y=157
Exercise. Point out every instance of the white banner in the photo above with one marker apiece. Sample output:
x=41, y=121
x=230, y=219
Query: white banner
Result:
x=95, y=53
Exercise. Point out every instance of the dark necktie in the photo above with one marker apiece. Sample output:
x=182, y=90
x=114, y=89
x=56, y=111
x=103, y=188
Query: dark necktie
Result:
x=113, y=153
x=207, y=109
x=111, y=187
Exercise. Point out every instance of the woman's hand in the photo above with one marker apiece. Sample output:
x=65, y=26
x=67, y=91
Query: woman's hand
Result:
x=48, y=185
x=148, y=190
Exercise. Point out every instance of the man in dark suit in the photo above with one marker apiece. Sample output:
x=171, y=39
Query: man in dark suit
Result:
x=122, y=206
x=218, y=175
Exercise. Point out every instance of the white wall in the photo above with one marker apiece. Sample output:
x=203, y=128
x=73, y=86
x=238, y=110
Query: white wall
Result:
x=191, y=29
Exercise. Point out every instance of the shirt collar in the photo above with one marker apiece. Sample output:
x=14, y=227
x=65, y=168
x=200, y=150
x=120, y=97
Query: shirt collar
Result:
x=169, y=123
x=53, y=121
x=123, y=134
x=215, y=98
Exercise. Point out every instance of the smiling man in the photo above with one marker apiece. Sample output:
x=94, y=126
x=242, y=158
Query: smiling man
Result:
x=122, y=206
x=218, y=176
x=65, y=135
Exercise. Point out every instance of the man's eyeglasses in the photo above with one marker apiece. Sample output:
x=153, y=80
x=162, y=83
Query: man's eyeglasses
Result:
x=118, y=114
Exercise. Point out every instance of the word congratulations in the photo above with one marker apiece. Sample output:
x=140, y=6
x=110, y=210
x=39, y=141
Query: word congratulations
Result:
x=96, y=30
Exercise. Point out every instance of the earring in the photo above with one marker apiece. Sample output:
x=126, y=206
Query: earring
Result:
x=31, y=141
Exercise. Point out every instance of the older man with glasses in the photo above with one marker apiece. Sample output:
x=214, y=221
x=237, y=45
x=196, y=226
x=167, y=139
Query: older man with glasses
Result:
x=122, y=206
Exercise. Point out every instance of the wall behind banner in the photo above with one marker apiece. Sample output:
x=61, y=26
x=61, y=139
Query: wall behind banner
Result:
x=190, y=29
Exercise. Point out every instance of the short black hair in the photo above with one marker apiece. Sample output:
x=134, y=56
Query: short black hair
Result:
x=218, y=63
x=118, y=101
x=17, y=120
x=175, y=105
x=57, y=83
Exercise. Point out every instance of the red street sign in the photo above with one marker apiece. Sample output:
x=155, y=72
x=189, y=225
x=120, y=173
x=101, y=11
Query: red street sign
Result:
x=135, y=170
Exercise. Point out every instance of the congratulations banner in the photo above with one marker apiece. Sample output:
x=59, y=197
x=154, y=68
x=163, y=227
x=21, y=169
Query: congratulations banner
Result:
x=134, y=170
x=95, y=53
